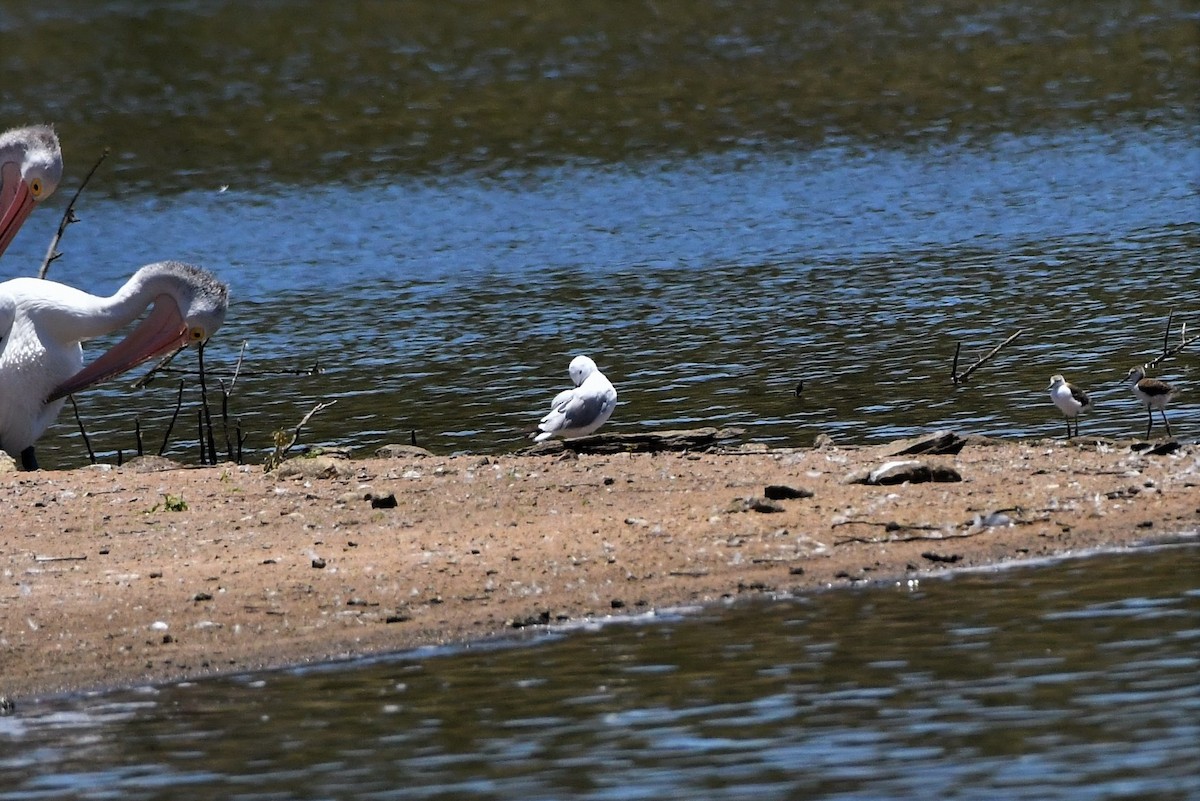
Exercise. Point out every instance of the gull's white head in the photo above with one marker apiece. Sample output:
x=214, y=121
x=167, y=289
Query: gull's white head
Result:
x=581, y=367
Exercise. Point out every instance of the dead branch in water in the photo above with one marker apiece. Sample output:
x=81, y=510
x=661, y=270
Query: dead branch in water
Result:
x=171, y=426
x=87, y=443
x=961, y=378
x=206, y=415
x=283, y=444
x=1168, y=351
x=68, y=218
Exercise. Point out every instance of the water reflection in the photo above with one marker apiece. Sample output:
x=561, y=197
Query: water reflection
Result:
x=1049, y=681
x=196, y=94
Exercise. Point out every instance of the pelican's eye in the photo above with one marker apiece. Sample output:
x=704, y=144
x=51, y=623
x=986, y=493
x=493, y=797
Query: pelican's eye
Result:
x=35, y=188
x=197, y=334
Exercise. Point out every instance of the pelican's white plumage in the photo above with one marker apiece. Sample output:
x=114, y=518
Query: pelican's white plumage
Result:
x=30, y=168
x=580, y=411
x=42, y=324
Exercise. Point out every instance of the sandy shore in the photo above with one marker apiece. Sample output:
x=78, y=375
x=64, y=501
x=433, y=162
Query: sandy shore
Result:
x=122, y=576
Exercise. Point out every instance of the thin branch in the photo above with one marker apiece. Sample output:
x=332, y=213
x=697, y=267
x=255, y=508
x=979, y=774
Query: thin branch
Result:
x=1169, y=352
x=237, y=368
x=212, y=444
x=1167, y=331
x=87, y=443
x=171, y=426
x=161, y=367
x=961, y=378
x=282, y=446
x=68, y=218
x=954, y=367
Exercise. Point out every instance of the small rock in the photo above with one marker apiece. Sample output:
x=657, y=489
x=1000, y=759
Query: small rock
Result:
x=782, y=492
x=401, y=451
x=763, y=505
x=315, y=467
x=318, y=563
x=7, y=704
x=617, y=603
x=202, y=596
x=932, y=556
x=384, y=501
x=540, y=619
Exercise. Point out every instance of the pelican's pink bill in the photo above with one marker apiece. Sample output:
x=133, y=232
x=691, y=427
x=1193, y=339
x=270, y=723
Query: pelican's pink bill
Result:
x=163, y=330
x=16, y=202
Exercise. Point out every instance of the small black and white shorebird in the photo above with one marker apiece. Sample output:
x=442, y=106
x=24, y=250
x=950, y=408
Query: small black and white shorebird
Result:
x=1152, y=392
x=1070, y=398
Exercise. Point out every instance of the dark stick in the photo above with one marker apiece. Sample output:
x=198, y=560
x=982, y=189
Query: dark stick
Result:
x=954, y=367
x=225, y=419
x=170, y=426
x=87, y=443
x=212, y=444
x=1167, y=332
x=1183, y=343
x=241, y=440
x=962, y=379
x=137, y=430
x=68, y=218
x=200, y=435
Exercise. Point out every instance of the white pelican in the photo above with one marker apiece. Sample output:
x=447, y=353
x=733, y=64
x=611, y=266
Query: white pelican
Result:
x=580, y=411
x=42, y=323
x=1153, y=393
x=30, y=169
x=1070, y=398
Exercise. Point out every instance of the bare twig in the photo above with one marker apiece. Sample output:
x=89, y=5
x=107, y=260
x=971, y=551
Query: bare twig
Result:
x=961, y=378
x=171, y=426
x=204, y=410
x=237, y=368
x=1168, y=352
x=954, y=367
x=87, y=443
x=161, y=367
x=68, y=218
x=60, y=558
x=283, y=444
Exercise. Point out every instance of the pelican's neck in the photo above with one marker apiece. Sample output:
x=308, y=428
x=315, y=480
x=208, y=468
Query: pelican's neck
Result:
x=78, y=316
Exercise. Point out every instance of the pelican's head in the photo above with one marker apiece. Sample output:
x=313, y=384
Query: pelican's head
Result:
x=30, y=168
x=189, y=307
x=581, y=367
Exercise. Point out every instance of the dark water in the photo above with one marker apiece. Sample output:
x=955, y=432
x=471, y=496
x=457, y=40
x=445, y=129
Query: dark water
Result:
x=439, y=204
x=1074, y=680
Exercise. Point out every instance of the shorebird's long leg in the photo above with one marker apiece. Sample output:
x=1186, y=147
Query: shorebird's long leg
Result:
x=1163, y=412
x=1149, y=420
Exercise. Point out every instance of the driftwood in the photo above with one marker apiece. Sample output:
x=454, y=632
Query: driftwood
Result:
x=961, y=378
x=642, y=442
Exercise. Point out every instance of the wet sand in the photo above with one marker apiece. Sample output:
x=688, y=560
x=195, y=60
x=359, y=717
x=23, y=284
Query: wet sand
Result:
x=132, y=575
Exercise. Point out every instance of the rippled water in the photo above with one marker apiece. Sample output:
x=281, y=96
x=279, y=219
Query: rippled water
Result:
x=706, y=290
x=1074, y=680
x=440, y=204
